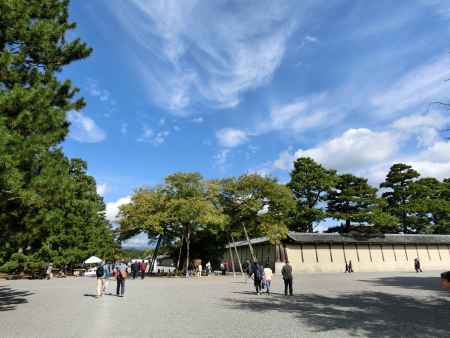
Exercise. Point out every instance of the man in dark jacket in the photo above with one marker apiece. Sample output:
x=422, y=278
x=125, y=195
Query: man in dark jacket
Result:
x=257, y=272
x=286, y=271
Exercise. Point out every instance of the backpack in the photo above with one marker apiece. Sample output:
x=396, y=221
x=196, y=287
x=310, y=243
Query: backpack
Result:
x=100, y=271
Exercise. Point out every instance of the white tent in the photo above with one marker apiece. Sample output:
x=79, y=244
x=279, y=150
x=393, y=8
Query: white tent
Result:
x=92, y=260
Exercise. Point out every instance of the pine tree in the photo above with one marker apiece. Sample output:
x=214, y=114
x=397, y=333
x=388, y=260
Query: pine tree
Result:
x=398, y=193
x=42, y=213
x=352, y=200
x=309, y=183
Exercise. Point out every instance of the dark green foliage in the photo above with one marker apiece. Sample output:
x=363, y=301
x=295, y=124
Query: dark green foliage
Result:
x=259, y=205
x=310, y=183
x=429, y=206
x=352, y=200
x=49, y=208
x=398, y=194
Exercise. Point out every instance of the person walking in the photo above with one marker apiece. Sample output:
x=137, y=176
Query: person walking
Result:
x=134, y=269
x=257, y=273
x=143, y=267
x=108, y=272
x=286, y=272
x=417, y=265
x=49, y=272
x=268, y=278
x=100, y=273
x=120, y=271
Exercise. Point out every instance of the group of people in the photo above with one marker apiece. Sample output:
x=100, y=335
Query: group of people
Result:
x=348, y=267
x=138, y=267
x=262, y=277
x=108, y=270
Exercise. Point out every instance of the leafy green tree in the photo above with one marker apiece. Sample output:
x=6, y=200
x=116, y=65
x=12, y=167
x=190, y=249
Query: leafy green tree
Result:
x=181, y=208
x=398, y=193
x=257, y=206
x=352, y=200
x=310, y=183
x=49, y=209
x=429, y=205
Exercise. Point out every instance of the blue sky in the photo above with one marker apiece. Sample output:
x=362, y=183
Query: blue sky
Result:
x=229, y=87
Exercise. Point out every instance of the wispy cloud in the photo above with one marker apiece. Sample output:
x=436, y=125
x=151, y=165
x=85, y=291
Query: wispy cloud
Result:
x=299, y=115
x=102, y=189
x=198, y=120
x=204, y=59
x=230, y=138
x=370, y=153
x=103, y=95
x=84, y=129
x=156, y=138
x=420, y=85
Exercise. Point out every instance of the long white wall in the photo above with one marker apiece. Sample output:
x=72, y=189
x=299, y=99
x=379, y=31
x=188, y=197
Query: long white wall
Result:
x=367, y=257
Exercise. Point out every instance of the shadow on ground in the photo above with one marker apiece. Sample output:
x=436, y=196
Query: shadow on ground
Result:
x=417, y=283
x=372, y=314
x=10, y=298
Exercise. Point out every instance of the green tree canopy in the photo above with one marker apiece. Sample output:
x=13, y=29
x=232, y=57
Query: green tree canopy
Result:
x=310, y=183
x=429, y=205
x=49, y=208
x=352, y=200
x=398, y=193
x=181, y=208
x=257, y=206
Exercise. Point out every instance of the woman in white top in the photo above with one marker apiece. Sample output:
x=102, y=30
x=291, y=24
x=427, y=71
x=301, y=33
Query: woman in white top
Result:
x=267, y=278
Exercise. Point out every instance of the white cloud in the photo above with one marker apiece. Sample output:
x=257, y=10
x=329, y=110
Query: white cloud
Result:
x=237, y=51
x=138, y=242
x=299, y=115
x=310, y=38
x=102, y=189
x=437, y=152
x=284, y=161
x=154, y=137
x=230, y=138
x=425, y=126
x=84, y=129
x=221, y=158
x=94, y=90
x=354, y=148
x=370, y=153
x=198, y=120
x=112, y=208
x=420, y=85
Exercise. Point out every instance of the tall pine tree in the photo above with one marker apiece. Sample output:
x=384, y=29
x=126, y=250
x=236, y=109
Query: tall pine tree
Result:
x=398, y=194
x=37, y=182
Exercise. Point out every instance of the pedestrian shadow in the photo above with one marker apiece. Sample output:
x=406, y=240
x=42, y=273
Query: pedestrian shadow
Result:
x=94, y=295
x=372, y=314
x=10, y=298
x=417, y=282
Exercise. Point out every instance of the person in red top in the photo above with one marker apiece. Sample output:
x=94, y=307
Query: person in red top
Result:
x=143, y=266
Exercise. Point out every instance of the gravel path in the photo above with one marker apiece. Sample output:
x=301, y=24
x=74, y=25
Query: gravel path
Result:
x=324, y=305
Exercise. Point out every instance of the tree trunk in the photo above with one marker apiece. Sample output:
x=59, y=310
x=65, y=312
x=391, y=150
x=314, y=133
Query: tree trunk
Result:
x=155, y=253
x=237, y=255
x=347, y=225
x=179, y=254
x=232, y=260
x=249, y=244
x=188, y=240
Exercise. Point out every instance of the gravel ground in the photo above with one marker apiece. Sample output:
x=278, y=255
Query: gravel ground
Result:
x=324, y=305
